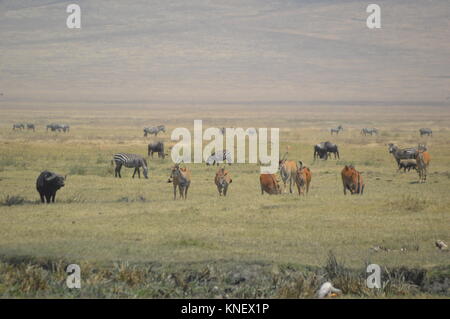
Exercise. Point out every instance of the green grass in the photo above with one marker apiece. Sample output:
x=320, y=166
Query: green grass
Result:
x=100, y=219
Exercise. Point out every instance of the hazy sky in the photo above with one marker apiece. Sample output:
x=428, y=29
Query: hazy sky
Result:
x=201, y=51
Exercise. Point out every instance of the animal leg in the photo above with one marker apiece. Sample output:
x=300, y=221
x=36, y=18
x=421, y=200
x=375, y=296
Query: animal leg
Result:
x=42, y=198
x=186, y=191
x=47, y=197
x=174, y=192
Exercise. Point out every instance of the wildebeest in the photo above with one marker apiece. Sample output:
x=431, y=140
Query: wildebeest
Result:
x=399, y=153
x=30, y=126
x=269, y=184
x=370, y=131
x=181, y=178
x=303, y=177
x=154, y=130
x=287, y=172
x=131, y=161
x=323, y=149
x=222, y=181
x=352, y=180
x=426, y=131
x=47, y=184
x=157, y=147
x=58, y=127
x=337, y=130
x=407, y=165
x=18, y=126
x=218, y=157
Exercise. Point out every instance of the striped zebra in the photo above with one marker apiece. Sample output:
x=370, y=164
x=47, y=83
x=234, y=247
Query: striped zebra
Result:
x=130, y=161
x=337, y=130
x=220, y=157
x=370, y=131
x=154, y=130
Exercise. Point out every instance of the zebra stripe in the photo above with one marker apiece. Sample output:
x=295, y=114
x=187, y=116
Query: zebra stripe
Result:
x=131, y=161
x=220, y=157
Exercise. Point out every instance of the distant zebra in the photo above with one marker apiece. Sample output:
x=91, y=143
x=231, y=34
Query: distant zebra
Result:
x=18, y=126
x=64, y=127
x=337, y=130
x=221, y=157
x=31, y=126
x=370, y=131
x=154, y=130
x=130, y=161
x=426, y=131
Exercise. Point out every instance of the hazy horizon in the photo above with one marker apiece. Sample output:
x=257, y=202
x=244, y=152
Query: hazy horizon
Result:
x=209, y=52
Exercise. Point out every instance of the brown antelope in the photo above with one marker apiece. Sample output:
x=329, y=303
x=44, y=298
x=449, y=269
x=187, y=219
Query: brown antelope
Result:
x=422, y=166
x=352, y=180
x=288, y=170
x=222, y=180
x=303, y=178
x=181, y=177
x=269, y=184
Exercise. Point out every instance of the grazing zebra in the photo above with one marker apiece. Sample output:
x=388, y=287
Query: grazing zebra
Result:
x=154, y=130
x=370, y=131
x=18, y=126
x=220, y=157
x=64, y=127
x=31, y=126
x=337, y=130
x=130, y=161
x=426, y=131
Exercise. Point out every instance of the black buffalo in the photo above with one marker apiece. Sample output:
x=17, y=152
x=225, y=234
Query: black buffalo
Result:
x=47, y=184
x=157, y=147
x=324, y=149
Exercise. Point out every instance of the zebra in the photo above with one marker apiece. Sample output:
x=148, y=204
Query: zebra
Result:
x=220, y=157
x=337, y=130
x=130, y=161
x=64, y=127
x=18, y=126
x=426, y=131
x=31, y=126
x=154, y=130
x=370, y=131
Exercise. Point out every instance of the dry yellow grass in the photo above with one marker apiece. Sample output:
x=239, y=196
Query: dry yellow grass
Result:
x=99, y=218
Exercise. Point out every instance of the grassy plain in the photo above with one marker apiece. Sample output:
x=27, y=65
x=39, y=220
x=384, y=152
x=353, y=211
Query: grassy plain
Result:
x=99, y=219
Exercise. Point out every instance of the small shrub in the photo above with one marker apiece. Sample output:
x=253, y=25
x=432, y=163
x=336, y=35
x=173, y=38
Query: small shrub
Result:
x=13, y=200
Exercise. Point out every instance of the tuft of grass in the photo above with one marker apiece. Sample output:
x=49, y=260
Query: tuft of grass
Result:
x=77, y=170
x=409, y=203
x=13, y=200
